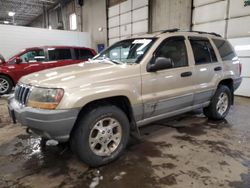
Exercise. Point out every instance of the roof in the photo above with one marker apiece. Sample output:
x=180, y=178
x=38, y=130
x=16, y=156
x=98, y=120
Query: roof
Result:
x=57, y=46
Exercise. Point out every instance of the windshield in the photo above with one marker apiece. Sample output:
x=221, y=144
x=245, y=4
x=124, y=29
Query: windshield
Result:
x=127, y=51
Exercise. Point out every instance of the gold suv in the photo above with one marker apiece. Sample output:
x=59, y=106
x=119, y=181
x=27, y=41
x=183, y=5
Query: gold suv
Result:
x=97, y=104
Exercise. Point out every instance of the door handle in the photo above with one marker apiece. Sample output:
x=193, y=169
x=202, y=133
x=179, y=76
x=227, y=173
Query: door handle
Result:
x=186, y=74
x=217, y=68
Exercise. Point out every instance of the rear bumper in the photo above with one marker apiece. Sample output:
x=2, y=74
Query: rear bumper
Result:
x=236, y=83
x=50, y=124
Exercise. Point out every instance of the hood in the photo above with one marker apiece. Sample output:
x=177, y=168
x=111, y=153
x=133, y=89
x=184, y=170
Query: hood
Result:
x=73, y=75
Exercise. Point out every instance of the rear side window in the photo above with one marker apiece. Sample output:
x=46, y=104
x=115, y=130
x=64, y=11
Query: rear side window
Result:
x=203, y=50
x=59, y=54
x=226, y=51
x=82, y=54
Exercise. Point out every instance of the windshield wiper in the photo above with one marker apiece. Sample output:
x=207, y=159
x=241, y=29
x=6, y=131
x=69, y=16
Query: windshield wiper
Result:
x=112, y=60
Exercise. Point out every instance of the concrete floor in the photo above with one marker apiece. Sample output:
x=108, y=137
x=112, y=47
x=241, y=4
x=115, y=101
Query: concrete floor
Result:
x=186, y=151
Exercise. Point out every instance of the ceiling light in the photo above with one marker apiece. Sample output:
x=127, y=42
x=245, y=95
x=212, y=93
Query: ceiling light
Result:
x=6, y=22
x=11, y=14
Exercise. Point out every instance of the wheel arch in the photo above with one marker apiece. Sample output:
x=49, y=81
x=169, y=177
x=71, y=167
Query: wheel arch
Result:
x=229, y=83
x=120, y=101
x=3, y=74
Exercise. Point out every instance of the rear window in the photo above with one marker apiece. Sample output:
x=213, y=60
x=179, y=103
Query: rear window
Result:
x=83, y=54
x=203, y=50
x=225, y=49
x=59, y=54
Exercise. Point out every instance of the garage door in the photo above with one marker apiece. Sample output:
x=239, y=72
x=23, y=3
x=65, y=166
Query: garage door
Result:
x=238, y=33
x=231, y=19
x=127, y=19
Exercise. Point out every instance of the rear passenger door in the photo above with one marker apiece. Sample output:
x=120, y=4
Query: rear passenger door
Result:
x=208, y=69
x=82, y=54
x=58, y=57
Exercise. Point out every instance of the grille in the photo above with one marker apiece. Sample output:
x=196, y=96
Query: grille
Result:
x=21, y=93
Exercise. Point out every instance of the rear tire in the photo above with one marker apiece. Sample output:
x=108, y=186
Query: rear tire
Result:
x=101, y=135
x=6, y=85
x=220, y=104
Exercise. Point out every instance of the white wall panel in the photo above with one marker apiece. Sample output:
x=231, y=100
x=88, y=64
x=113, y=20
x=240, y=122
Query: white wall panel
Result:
x=244, y=89
x=139, y=3
x=126, y=6
x=123, y=38
x=114, y=21
x=16, y=38
x=126, y=18
x=239, y=27
x=203, y=2
x=114, y=40
x=140, y=14
x=211, y=12
x=114, y=32
x=217, y=27
x=237, y=9
x=126, y=30
x=140, y=27
x=242, y=46
x=114, y=10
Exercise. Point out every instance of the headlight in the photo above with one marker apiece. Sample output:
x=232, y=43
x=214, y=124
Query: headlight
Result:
x=44, y=98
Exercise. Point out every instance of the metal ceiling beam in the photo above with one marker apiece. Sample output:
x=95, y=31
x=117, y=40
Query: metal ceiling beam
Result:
x=26, y=10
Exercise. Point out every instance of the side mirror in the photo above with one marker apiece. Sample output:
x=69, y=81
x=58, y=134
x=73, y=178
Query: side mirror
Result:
x=18, y=60
x=160, y=63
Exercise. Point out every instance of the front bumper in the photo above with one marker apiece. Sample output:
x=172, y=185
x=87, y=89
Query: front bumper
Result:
x=50, y=124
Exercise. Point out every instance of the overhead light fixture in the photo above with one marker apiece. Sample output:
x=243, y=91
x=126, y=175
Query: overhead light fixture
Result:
x=6, y=22
x=11, y=13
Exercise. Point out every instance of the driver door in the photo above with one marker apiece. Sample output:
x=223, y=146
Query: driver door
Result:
x=32, y=61
x=169, y=90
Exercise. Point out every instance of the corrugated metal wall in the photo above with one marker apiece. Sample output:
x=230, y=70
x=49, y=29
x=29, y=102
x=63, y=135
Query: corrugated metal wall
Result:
x=232, y=20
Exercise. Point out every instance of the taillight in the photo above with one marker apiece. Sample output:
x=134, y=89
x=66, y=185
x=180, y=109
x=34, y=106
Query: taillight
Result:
x=240, y=67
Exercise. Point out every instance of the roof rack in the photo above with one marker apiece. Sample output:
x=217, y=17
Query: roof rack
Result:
x=200, y=32
x=210, y=33
x=170, y=30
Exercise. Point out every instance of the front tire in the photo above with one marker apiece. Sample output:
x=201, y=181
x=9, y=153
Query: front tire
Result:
x=6, y=85
x=220, y=104
x=101, y=135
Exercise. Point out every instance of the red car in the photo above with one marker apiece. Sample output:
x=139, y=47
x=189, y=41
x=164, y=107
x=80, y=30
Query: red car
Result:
x=39, y=58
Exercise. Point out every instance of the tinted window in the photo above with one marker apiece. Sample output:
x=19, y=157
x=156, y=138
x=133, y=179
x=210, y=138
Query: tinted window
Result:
x=33, y=56
x=225, y=49
x=203, y=50
x=175, y=49
x=83, y=54
x=59, y=54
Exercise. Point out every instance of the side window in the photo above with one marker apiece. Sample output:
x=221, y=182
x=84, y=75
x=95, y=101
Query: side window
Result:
x=226, y=51
x=175, y=49
x=202, y=50
x=59, y=54
x=33, y=56
x=83, y=54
